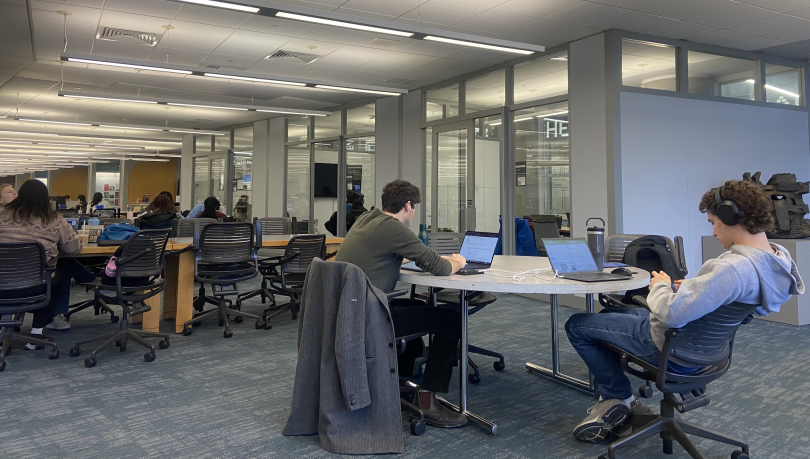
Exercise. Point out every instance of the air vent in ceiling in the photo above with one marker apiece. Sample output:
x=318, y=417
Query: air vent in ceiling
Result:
x=224, y=67
x=306, y=58
x=383, y=42
x=127, y=36
x=400, y=80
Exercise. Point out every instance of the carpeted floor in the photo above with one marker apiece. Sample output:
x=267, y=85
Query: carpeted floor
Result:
x=210, y=397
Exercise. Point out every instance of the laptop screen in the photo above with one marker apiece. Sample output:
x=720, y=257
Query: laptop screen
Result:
x=568, y=255
x=479, y=247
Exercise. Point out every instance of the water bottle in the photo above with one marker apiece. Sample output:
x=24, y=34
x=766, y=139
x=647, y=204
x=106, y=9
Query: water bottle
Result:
x=596, y=242
x=423, y=235
x=92, y=221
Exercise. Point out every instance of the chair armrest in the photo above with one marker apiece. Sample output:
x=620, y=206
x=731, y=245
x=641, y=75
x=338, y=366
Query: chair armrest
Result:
x=641, y=300
x=330, y=255
x=288, y=259
x=123, y=261
x=174, y=253
x=396, y=294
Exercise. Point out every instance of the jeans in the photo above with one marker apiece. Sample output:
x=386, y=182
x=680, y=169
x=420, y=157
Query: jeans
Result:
x=67, y=269
x=627, y=328
x=412, y=317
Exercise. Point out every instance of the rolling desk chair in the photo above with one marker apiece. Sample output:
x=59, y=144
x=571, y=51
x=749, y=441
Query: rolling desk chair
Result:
x=225, y=255
x=187, y=227
x=544, y=226
x=25, y=285
x=105, y=213
x=706, y=343
x=268, y=226
x=287, y=276
x=140, y=275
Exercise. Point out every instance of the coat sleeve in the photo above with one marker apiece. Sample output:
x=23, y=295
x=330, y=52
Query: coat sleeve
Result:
x=350, y=348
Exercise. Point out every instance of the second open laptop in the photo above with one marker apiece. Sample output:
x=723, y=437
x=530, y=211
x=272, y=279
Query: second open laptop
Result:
x=571, y=258
x=478, y=248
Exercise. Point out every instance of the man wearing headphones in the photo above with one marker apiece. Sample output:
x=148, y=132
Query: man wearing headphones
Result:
x=753, y=271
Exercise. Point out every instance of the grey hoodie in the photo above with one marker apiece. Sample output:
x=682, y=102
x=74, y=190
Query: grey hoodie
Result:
x=744, y=274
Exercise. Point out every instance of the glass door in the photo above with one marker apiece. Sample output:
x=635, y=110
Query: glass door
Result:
x=453, y=203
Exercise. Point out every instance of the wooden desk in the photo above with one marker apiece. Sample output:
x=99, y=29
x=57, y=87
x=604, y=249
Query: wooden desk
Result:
x=565, y=231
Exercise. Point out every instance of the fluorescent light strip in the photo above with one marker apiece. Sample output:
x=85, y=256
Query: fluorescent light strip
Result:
x=348, y=25
x=228, y=6
x=369, y=91
x=116, y=147
x=205, y=106
x=130, y=127
x=183, y=131
x=15, y=141
x=477, y=45
x=243, y=153
x=523, y=119
x=497, y=123
x=53, y=122
x=553, y=119
x=774, y=88
x=552, y=114
x=257, y=80
x=289, y=112
x=116, y=99
x=129, y=66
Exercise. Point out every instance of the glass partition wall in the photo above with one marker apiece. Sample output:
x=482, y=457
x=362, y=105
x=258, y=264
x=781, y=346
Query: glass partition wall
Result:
x=329, y=163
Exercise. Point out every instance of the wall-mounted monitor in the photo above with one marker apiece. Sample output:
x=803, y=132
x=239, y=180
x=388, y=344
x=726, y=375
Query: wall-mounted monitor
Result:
x=325, y=180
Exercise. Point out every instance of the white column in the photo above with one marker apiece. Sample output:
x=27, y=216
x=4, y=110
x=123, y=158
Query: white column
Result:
x=91, y=181
x=187, y=172
x=413, y=147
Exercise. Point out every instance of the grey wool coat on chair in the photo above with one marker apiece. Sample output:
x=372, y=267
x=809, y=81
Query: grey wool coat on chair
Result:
x=346, y=381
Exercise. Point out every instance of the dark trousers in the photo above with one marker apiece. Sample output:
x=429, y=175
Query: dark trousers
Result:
x=42, y=316
x=67, y=269
x=413, y=317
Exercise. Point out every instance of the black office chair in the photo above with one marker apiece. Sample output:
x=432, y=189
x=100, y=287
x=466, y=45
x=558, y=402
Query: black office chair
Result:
x=706, y=343
x=225, y=256
x=544, y=226
x=105, y=213
x=187, y=227
x=287, y=276
x=25, y=285
x=140, y=275
x=447, y=244
x=107, y=221
x=268, y=226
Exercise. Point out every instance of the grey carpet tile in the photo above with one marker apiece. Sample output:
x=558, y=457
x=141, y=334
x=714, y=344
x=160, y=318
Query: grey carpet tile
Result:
x=211, y=397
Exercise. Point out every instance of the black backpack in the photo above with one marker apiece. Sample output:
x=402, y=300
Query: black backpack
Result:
x=650, y=253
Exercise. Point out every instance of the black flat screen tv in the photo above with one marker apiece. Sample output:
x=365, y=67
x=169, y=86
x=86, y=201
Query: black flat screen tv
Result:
x=325, y=180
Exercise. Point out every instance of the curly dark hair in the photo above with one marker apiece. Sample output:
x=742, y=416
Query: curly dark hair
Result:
x=755, y=206
x=397, y=193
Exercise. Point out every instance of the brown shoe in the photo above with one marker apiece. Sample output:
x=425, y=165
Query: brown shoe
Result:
x=439, y=415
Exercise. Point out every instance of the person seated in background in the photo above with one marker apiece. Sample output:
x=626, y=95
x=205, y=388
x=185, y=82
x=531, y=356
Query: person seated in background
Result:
x=7, y=194
x=753, y=271
x=99, y=202
x=82, y=205
x=29, y=218
x=378, y=243
x=356, y=210
x=195, y=210
x=160, y=214
x=211, y=209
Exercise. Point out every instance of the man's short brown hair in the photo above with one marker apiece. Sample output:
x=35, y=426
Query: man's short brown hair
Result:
x=755, y=206
x=397, y=193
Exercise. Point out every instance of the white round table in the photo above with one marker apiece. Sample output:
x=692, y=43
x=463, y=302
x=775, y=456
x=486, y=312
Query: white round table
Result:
x=533, y=282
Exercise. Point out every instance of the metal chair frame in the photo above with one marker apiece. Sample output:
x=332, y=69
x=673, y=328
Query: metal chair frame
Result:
x=287, y=275
x=268, y=226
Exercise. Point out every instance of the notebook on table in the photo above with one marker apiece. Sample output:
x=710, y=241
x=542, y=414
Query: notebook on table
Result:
x=478, y=248
x=571, y=258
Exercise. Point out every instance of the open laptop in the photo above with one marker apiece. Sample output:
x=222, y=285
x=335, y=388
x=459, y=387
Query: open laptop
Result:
x=572, y=259
x=478, y=248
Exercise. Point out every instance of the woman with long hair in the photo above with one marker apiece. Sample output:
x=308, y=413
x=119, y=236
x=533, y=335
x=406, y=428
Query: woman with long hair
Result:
x=98, y=200
x=160, y=214
x=210, y=211
x=7, y=194
x=29, y=218
x=82, y=205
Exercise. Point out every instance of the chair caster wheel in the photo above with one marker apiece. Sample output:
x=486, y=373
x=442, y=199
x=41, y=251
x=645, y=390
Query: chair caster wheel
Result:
x=164, y=344
x=54, y=354
x=474, y=379
x=259, y=325
x=3, y=366
x=90, y=362
x=739, y=454
x=417, y=428
x=149, y=356
x=227, y=333
x=186, y=332
x=239, y=319
x=114, y=319
x=498, y=365
x=75, y=352
x=268, y=326
x=604, y=456
x=645, y=391
x=295, y=316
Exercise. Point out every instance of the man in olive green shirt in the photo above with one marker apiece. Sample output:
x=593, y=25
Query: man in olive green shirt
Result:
x=378, y=243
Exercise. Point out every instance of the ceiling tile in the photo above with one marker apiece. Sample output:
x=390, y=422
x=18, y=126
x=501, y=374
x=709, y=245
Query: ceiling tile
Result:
x=79, y=13
x=360, y=77
x=439, y=12
x=485, y=4
x=394, y=62
x=495, y=22
x=376, y=6
x=536, y=9
x=160, y=8
x=212, y=16
x=635, y=22
x=631, y=4
x=138, y=22
x=54, y=44
x=587, y=14
x=55, y=25
x=735, y=15
x=321, y=48
x=251, y=44
x=440, y=65
x=316, y=72
x=229, y=61
x=417, y=22
x=682, y=9
x=269, y=67
x=430, y=48
x=578, y=35
x=366, y=14
x=681, y=29
x=719, y=37
x=176, y=56
x=349, y=57
x=196, y=37
x=480, y=55
x=781, y=27
x=122, y=50
x=755, y=43
x=543, y=30
x=480, y=33
x=805, y=13
x=85, y=3
x=783, y=6
x=317, y=4
x=301, y=29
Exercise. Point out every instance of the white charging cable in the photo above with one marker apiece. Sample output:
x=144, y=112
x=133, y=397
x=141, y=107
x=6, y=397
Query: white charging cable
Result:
x=515, y=276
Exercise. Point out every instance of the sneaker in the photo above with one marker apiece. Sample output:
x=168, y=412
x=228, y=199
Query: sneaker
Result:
x=602, y=417
x=636, y=409
x=59, y=323
x=439, y=415
x=36, y=346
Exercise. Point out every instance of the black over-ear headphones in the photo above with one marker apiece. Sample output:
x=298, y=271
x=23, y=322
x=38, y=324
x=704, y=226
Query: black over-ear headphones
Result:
x=727, y=210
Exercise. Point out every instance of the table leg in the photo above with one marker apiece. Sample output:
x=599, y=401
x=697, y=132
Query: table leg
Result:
x=462, y=375
x=554, y=373
x=170, y=292
x=151, y=319
x=179, y=293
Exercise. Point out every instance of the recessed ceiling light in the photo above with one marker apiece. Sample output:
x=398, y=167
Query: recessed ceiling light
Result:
x=129, y=66
x=258, y=80
x=226, y=5
x=477, y=45
x=52, y=122
x=369, y=91
x=204, y=106
x=115, y=99
x=348, y=25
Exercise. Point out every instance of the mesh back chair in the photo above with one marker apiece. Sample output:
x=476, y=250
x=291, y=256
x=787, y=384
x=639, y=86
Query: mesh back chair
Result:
x=286, y=277
x=447, y=244
x=25, y=285
x=706, y=343
x=112, y=221
x=544, y=226
x=225, y=255
x=187, y=227
x=105, y=213
x=139, y=275
x=268, y=226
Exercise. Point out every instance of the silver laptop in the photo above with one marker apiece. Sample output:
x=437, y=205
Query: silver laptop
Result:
x=478, y=248
x=572, y=259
